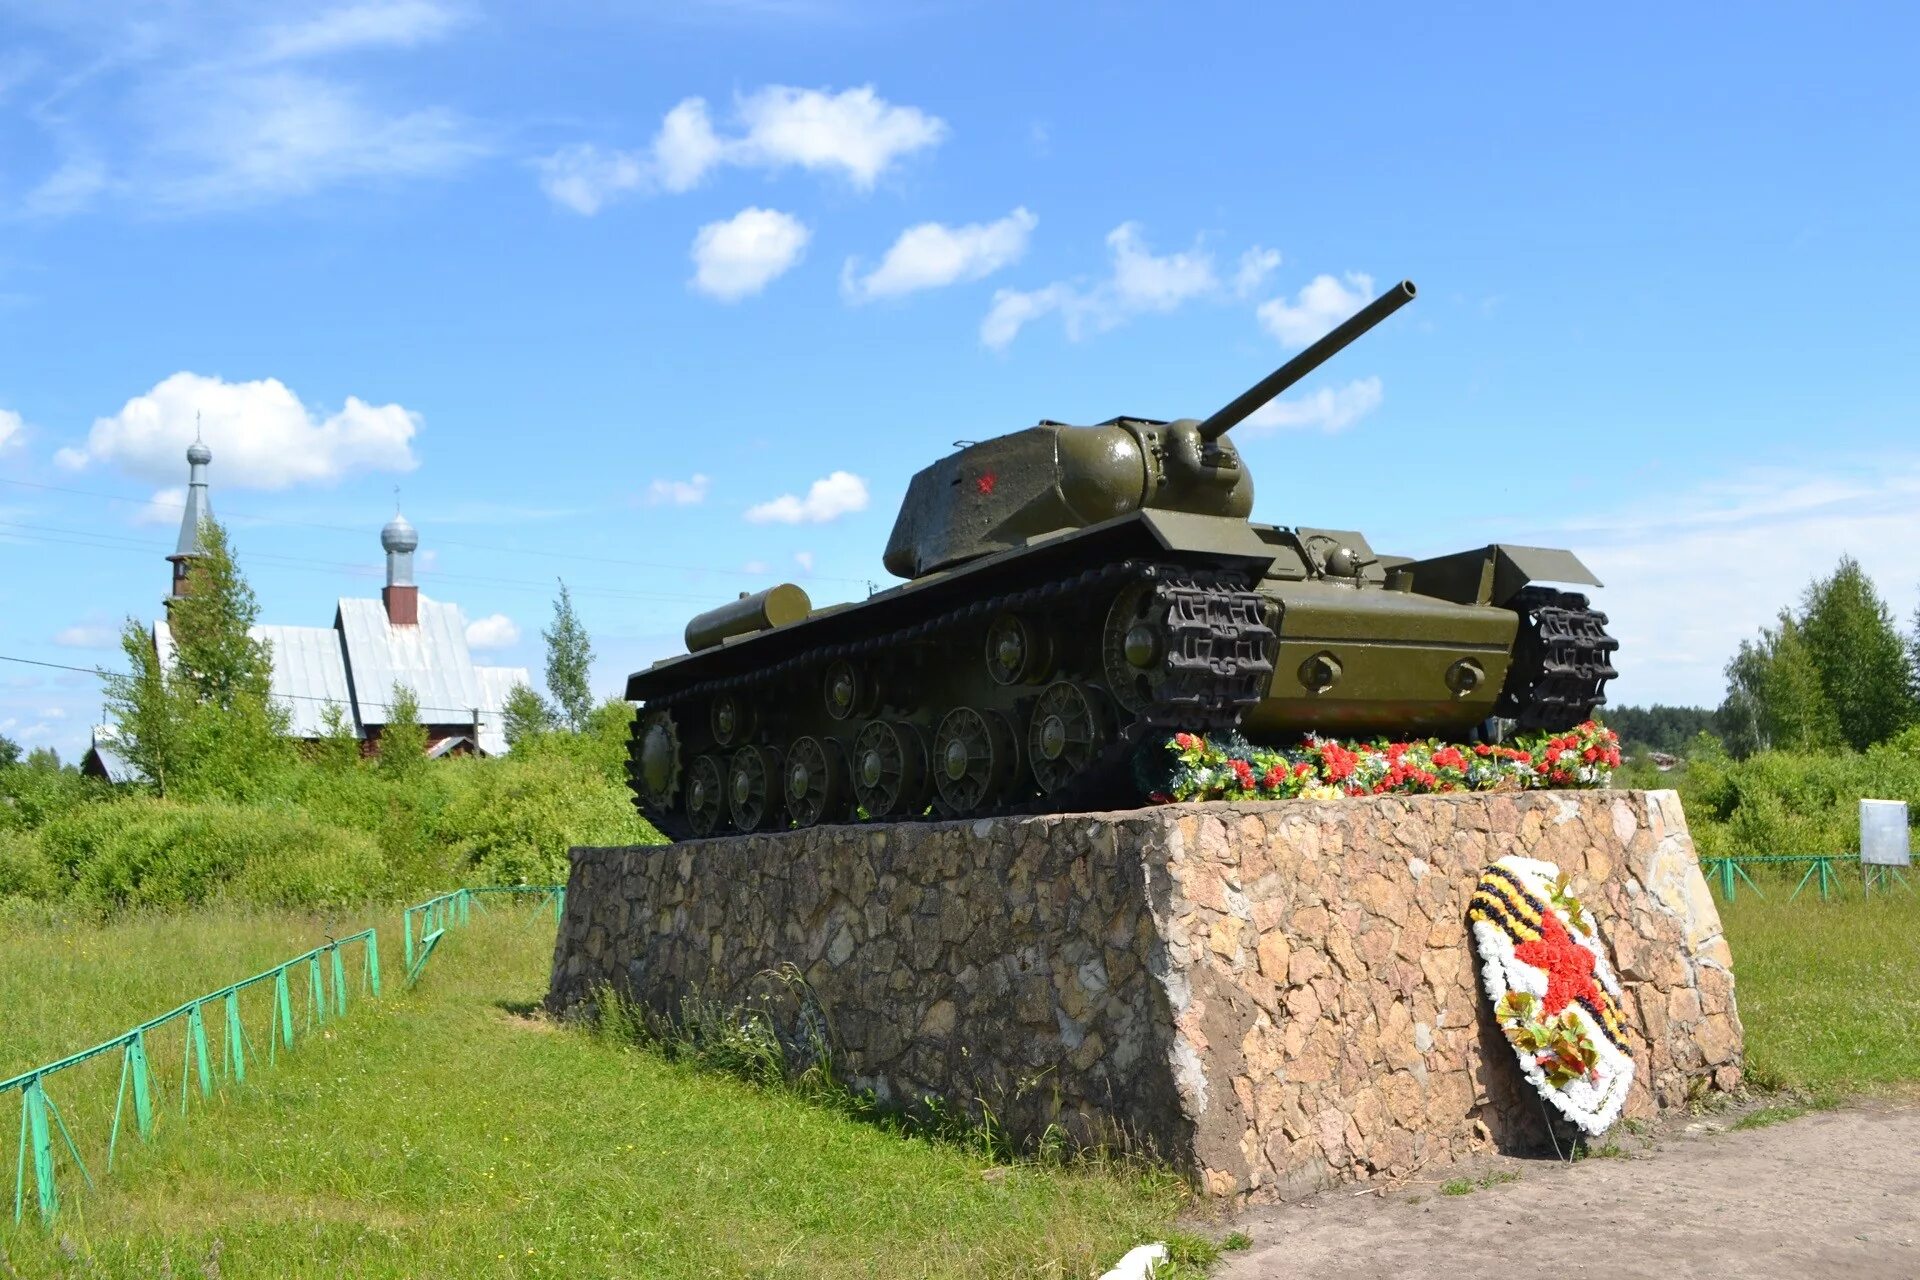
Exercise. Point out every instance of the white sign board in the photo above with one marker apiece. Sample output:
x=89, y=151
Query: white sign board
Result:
x=1883, y=834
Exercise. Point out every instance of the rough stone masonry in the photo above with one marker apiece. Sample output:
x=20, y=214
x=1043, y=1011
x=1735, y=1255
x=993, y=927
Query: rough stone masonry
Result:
x=1273, y=995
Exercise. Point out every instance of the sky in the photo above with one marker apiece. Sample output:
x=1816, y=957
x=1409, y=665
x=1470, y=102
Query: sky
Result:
x=670, y=300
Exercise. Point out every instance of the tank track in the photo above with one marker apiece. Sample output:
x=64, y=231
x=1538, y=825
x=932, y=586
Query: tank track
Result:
x=1220, y=650
x=1562, y=660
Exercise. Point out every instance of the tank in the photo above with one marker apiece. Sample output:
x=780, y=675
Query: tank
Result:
x=1073, y=595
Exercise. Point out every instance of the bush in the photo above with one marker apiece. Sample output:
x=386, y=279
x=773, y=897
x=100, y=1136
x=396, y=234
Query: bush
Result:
x=146, y=852
x=1781, y=802
x=514, y=824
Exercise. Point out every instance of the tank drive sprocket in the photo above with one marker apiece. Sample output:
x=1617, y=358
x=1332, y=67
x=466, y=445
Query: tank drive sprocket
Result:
x=1562, y=660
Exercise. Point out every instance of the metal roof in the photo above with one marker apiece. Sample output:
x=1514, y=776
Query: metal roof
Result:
x=430, y=658
x=309, y=672
x=356, y=662
x=114, y=767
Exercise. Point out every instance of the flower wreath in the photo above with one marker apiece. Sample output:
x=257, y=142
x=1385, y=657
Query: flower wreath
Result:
x=1554, y=994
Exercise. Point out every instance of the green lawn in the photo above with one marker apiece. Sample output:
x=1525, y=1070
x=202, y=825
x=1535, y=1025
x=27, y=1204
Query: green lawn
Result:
x=1829, y=992
x=440, y=1133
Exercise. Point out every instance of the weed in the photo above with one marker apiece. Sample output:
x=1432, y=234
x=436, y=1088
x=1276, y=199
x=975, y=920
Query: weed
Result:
x=1457, y=1187
x=1236, y=1241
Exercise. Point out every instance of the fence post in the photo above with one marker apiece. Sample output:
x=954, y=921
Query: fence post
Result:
x=316, y=1011
x=406, y=935
x=236, y=1046
x=197, y=1050
x=373, y=961
x=339, y=981
x=142, y=1093
x=283, y=1005
x=34, y=1099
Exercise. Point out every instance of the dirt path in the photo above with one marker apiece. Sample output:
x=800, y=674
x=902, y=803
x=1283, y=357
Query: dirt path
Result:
x=1834, y=1194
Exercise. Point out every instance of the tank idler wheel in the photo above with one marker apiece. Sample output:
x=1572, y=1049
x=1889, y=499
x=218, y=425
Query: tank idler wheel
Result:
x=731, y=719
x=1133, y=653
x=973, y=759
x=1019, y=651
x=753, y=787
x=654, y=758
x=706, y=795
x=817, y=781
x=848, y=691
x=1069, y=728
x=890, y=769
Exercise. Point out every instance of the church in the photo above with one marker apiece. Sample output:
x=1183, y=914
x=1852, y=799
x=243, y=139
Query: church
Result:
x=403, y=637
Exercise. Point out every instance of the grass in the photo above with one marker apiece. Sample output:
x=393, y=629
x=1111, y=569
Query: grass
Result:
x=441, y=1132
x=1467, y=1186
x=1829, y=992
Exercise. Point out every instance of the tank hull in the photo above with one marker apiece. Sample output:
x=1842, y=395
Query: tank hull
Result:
x=1034, y=679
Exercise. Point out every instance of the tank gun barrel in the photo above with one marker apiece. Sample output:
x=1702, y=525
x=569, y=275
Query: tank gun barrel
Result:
x=1242, y=405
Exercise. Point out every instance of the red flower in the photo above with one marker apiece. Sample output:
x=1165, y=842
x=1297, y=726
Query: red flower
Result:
x=1184, y=741
x=1569, y=965
x=1302, y=769
x=1243, y=771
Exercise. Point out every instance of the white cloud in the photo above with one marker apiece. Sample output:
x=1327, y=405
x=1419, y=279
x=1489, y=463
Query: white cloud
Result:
x=828, y=498
x=85, y=635
x=805, y=560
x=1693, y=572
x=679, y=493
x=390, y=24
x=1322, y=303
x=686, y=146
x=933, y=255
x=162, y=509
x=68, y=189
x=744, y=254
x=1140, y=282
x=1256, y=264
x=11, y=430
x=258, y=137
x=1327, y=409
x=584, y=177
x=261, y=435
x=495, y=631
x=855, y=133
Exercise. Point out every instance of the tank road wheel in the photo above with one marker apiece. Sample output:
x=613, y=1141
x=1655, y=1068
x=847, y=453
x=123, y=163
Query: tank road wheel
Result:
x=753, y=787
x=1018, y=651
x=973, y=759
x=653, y=761
x=890, y=769
x=706, y=798
x=731, y=719
x=1133, y=646
x=816, y=780
x=848, y=690
x=1068, y=729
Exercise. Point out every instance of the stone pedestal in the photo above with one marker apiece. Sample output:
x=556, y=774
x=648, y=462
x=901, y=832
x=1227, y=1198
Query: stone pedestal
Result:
x=1272, y=995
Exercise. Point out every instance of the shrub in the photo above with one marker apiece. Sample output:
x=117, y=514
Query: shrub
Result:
x=514, y=825
x=146, y=852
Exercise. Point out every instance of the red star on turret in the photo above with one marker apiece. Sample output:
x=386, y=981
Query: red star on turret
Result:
x=1569, y=965
x=985, y=482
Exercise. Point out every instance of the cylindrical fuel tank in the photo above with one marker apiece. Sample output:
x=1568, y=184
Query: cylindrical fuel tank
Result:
x=761, y=611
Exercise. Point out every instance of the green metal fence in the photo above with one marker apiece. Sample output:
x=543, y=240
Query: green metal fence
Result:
x=214, y=1045
x=319, y=977
x=1729, y=872
x=423, y=924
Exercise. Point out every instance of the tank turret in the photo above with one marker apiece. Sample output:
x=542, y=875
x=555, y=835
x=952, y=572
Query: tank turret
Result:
x=1003, y=493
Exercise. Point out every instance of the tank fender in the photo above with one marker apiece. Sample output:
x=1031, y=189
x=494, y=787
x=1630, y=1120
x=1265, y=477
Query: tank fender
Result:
x=1493, y=574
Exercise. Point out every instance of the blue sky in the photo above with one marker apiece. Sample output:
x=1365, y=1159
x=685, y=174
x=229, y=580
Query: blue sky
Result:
x=672, y=299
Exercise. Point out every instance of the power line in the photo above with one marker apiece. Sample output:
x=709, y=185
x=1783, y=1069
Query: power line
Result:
x=445, y=542
x=103, y=674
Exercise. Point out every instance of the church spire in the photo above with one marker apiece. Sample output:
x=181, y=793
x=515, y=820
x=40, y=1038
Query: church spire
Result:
x=198, y=510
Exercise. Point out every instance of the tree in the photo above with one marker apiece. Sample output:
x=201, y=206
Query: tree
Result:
x=338, y=749
x=403, y=743
x=9, y=752
x=527, y=715
x=1775, y=700
x=148, y=719
x=569, y=662
x=1864, y=665
x=206, y=723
